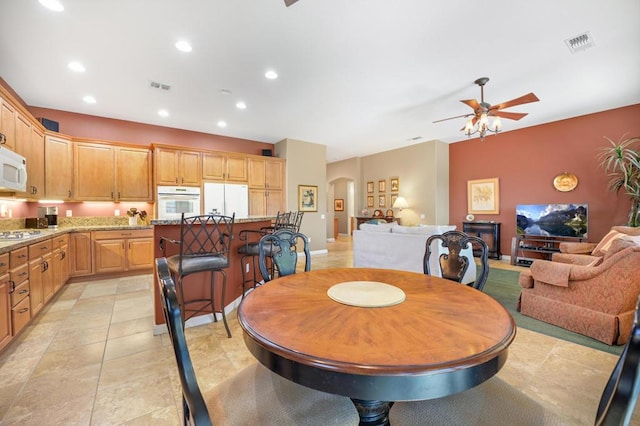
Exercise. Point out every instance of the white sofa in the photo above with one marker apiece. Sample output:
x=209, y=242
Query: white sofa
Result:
x=392, y=246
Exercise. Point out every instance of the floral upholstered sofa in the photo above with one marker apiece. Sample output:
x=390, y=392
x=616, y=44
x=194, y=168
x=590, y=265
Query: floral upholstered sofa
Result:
x=596, y=298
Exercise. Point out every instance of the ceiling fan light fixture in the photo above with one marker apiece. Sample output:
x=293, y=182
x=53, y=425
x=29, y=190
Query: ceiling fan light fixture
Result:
x=497, y=124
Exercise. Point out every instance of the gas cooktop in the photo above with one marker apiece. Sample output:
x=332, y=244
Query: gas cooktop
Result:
x=18, y=235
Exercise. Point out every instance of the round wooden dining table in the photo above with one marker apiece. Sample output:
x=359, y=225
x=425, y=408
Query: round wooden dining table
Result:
x=441, y=338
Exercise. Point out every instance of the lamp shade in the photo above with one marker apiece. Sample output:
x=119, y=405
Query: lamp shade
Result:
x=400, y=203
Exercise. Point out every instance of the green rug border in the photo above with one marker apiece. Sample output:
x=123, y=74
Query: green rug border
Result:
x=503, y=286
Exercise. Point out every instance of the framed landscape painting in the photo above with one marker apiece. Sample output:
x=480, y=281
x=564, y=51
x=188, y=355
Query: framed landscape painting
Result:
x=483, y=196
x=307, y=198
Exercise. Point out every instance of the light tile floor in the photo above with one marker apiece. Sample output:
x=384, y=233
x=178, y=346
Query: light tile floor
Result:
x=90, y=358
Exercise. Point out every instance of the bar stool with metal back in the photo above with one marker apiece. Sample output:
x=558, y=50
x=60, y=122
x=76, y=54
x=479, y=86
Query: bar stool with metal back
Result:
x=204, y=246
x=250, y=250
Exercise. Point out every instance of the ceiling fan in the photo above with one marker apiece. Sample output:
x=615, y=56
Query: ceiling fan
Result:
x=482, y=110
x=289, y=2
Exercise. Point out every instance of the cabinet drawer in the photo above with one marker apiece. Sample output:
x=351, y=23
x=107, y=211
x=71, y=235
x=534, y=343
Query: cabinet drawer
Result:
x=122, y=234
x=39, y=249
x=20, y=315
x=19, y=257
x=59, y=241
x=21, y=291
x=4, y=263
x=20, y=274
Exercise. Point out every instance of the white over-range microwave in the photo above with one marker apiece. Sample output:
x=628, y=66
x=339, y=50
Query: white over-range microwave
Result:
x=172, y=201
x=13, y=171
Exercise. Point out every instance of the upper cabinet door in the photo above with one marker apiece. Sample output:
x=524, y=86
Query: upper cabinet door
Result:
x=8, y=124
x=58, y=168
x=35, y=164
x=257, y=173
x=214, y=166
x=133, y=171
x=94, y=172
x=237, y=168
x=190, y=168
x=274, y=172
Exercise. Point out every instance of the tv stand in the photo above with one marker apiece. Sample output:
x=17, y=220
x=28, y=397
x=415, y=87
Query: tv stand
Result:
x=527, y=248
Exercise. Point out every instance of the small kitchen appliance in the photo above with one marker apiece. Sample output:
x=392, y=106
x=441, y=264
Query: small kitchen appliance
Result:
x=51, y=213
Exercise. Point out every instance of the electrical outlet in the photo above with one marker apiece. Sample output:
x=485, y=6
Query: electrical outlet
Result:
x=309, y=239
x=69, y=213
x=423, y=216
x=246, y=268
x=116, y=212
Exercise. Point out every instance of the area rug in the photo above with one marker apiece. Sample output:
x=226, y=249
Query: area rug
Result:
x=503, y=286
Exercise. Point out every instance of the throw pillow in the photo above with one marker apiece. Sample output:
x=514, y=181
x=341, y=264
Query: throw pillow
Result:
x=381, y=227
x=620, y=244
x=605, y=243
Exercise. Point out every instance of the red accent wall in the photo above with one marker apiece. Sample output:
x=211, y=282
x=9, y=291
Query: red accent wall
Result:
x=109, y=129
x=526, y=161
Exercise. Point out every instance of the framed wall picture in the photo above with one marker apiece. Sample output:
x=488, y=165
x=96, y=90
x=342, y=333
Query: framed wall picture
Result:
x=338, y=204
x=370, y=201
x=395, y=184
x=394, y=197
x=370, y=187
x=382, y=200
x=483, y=196
x=307, y=198
x=382, y=185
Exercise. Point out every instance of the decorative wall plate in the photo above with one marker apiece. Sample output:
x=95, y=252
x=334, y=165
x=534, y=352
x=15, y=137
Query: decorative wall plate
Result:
x=565, y=182
x=470, y=217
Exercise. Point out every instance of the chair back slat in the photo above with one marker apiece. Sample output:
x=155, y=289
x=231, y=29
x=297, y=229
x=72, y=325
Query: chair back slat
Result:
x=194, y=407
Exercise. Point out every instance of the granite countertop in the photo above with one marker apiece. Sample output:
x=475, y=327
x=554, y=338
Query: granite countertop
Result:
x=8, y=245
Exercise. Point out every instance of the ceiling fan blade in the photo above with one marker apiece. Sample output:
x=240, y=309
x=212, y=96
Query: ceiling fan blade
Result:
x=472, y=103
x=529, y=97
x=451, y=118
x=509, y=115
x=289, y=2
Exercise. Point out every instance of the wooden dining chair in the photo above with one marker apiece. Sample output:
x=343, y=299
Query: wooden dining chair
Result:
x=453, y=264
x=253, y=396
x=496, y=402
x=281, y=247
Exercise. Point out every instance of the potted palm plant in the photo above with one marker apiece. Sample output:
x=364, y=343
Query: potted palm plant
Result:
x=621, y=162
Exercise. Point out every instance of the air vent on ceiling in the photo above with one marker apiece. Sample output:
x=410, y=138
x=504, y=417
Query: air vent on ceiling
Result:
x=160, y=86
x=580, y=42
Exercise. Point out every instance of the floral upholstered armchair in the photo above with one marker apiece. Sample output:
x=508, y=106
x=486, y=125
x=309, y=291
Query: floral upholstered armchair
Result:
x=595, y=300
x=593, y=253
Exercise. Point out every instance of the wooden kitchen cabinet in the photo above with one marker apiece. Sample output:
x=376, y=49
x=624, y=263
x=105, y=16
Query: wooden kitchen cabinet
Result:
x=264, y=202
x=40, y=279
x=60, y=261
x=34, y=153
x=123, y=250
x=177, y=167
x=133, y=174
x=8, y=124
x=80, y=254
x=58, y=167
x=6, y=287
x=20, y=298
x=94, y=172
x=266, y=173
x=224, y=167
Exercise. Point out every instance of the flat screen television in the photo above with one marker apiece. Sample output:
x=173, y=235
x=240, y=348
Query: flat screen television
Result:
x=552, y=220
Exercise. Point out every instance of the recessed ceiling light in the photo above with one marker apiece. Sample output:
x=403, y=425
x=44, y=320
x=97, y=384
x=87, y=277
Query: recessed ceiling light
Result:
x=76, y=66
x=222, y=123
x=184, y=46
x=271, y=75
x=89, y=99
x=54, y=5
x=241, y=105
x=163, y=113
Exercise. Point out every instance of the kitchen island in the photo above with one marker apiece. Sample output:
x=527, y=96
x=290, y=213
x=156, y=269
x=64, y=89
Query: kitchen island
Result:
x=197, y=285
